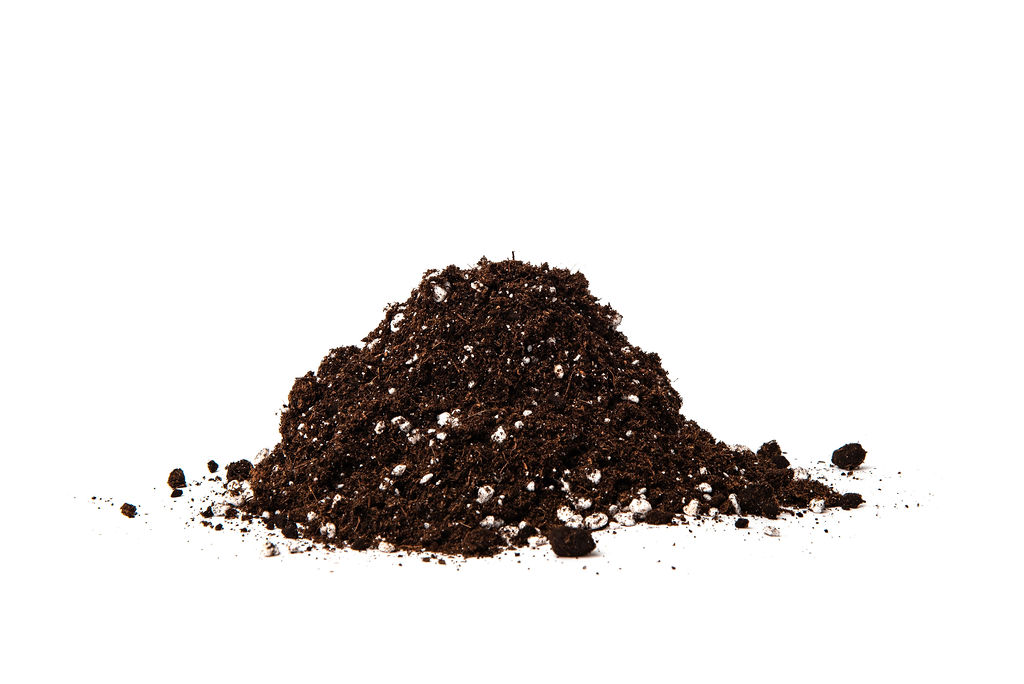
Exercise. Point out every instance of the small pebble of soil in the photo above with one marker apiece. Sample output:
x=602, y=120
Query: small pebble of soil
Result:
x=128, y=510
x=849, y=457
x=772, y=452
x=571, y=542
x=208, y=513
x=851, y=500
x=176, y=479
x=175, y=493
x=742, y=523
x=658, y=517
x=239, y=470
x=212, y=466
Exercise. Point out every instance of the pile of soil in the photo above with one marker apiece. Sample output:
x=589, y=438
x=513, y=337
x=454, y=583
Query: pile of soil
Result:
x=496, y=405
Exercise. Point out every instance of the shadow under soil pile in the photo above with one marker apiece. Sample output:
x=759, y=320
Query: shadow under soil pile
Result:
x=497, y=404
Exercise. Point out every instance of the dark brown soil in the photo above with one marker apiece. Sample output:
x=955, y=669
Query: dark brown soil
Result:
x=128, y=510
x=175, y=493
x=773, y=453
x=239, y=470
x=212, y=466
x=658, y=517
x=571, y=541
x=494, y=401
x=851, y=500
x=849, y=457
x=176, y=480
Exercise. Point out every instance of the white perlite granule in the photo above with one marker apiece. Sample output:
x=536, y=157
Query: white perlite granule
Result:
x=735, y=504
x=484, y=494
x=499, y=435
x=491, y=523
x=816, y=505
x=625, y=519
x=639, y=508
x=595, y=521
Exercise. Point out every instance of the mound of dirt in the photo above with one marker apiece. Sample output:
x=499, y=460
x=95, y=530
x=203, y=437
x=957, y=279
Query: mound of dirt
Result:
x=496, y=404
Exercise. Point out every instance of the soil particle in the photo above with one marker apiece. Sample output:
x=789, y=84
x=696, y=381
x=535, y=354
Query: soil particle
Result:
x=175, y=493
x=239, y=470
x=571, y=541
x=850, y=500
x=742, y=523
x=176, y=480
x=658, y=517
x=128, y=510
x=212, y=466
x=772, y=452
x=849, y=457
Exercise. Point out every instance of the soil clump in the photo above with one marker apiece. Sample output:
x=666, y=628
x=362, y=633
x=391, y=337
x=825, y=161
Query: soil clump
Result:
x=849, y=457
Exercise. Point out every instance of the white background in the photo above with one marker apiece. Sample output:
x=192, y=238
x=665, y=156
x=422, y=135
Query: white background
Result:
x=811, y=210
